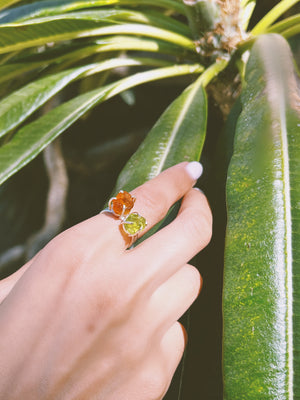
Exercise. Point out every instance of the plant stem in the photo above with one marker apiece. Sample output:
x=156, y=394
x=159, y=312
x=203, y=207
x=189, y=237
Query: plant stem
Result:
x=203, y=15
x=272, y=16
x=211, y=72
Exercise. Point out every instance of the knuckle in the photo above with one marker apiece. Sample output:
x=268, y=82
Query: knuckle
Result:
x=155, y=382
x=207, y=228
x=155, y=201
x=194, y=279
x=200, y=226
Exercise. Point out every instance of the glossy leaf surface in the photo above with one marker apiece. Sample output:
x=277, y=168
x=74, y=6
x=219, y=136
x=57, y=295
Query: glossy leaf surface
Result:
x=262, y=261
x=7, y=3
x=177, y=136
x=30, y=140
x=14, y=110
x=71, y=54
x=54, y=7
x=19, y=36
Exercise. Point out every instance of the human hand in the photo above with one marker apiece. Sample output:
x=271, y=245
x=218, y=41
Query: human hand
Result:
x=87, y=319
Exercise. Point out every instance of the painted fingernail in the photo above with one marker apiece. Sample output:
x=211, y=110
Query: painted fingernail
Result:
x=194, y=169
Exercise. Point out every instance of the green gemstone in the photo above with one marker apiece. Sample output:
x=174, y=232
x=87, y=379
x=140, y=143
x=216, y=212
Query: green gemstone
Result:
x=134, y=223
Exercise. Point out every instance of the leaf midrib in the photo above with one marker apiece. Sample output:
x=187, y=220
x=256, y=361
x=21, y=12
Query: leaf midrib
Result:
x=279, y=108
x=177, y=123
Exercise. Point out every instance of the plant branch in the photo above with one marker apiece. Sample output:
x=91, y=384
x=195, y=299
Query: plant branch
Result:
x=55, y=210
x=56, y=200
x=211, y=72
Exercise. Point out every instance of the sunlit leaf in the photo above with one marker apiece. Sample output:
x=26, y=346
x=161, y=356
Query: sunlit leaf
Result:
x=177, y=136
x=14, y=110
x=261, y=281
x=54, y=7
x=30, y=140
x=14, y=37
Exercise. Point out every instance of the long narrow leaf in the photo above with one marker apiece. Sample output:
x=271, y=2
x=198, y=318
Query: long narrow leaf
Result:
x=54, y=7
x=14, y=110
x=177, y=136
x=14, y=38
x=29, y=141
x=272, y=16
x=7, y=3
x=262, y=280
x=68, y=53
x=114, y=15
x=287, y=23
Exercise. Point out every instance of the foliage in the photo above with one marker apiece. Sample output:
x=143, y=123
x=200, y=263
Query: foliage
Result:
x=61, y=59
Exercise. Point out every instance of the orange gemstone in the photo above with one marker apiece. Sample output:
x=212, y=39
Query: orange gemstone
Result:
x=122, y=204
x=126, y=199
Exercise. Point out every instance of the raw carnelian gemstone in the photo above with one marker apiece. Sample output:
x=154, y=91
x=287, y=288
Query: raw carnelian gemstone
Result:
x=126, y=198
x=122, y=203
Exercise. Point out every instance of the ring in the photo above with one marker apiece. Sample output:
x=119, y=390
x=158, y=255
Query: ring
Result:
x=120, y=206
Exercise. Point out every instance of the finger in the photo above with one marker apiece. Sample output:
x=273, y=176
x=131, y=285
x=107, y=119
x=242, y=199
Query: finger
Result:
x=153, y=200
x=172, y=347
x=178, y=242
x=172, y=299
x=155, y=197
x=7, y=284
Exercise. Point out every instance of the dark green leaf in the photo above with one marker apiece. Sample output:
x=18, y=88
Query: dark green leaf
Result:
x=177, y=136
x=261, y=280
x=14, y=110
x=19, y=36
x=7, y=3
x=73, y=54
x=30, y=140
x=54, y=7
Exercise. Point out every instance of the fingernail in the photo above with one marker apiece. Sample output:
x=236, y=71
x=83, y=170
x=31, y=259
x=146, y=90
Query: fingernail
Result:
x=194, y=169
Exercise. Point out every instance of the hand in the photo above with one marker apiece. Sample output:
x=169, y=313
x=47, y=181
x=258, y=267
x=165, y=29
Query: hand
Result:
x=87, y=319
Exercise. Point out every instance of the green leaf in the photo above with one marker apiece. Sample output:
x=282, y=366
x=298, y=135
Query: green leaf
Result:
x=30, y=140
x=54, y=7
x=14, y=110
x=73, y=54
x=247, y=8
x=151, y=17
x=7, y=3
x=15, y=37
x=177, y=136
x=287, y=23
x=272, y=16
x=262, y=260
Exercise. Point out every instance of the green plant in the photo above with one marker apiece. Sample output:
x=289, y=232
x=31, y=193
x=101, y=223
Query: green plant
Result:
x=46, y=46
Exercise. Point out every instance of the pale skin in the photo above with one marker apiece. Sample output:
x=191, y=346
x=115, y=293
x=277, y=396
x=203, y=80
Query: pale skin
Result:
x=88, y=319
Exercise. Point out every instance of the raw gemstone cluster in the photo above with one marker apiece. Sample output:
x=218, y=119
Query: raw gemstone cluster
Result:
x=121, y=204
x=134, y=223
